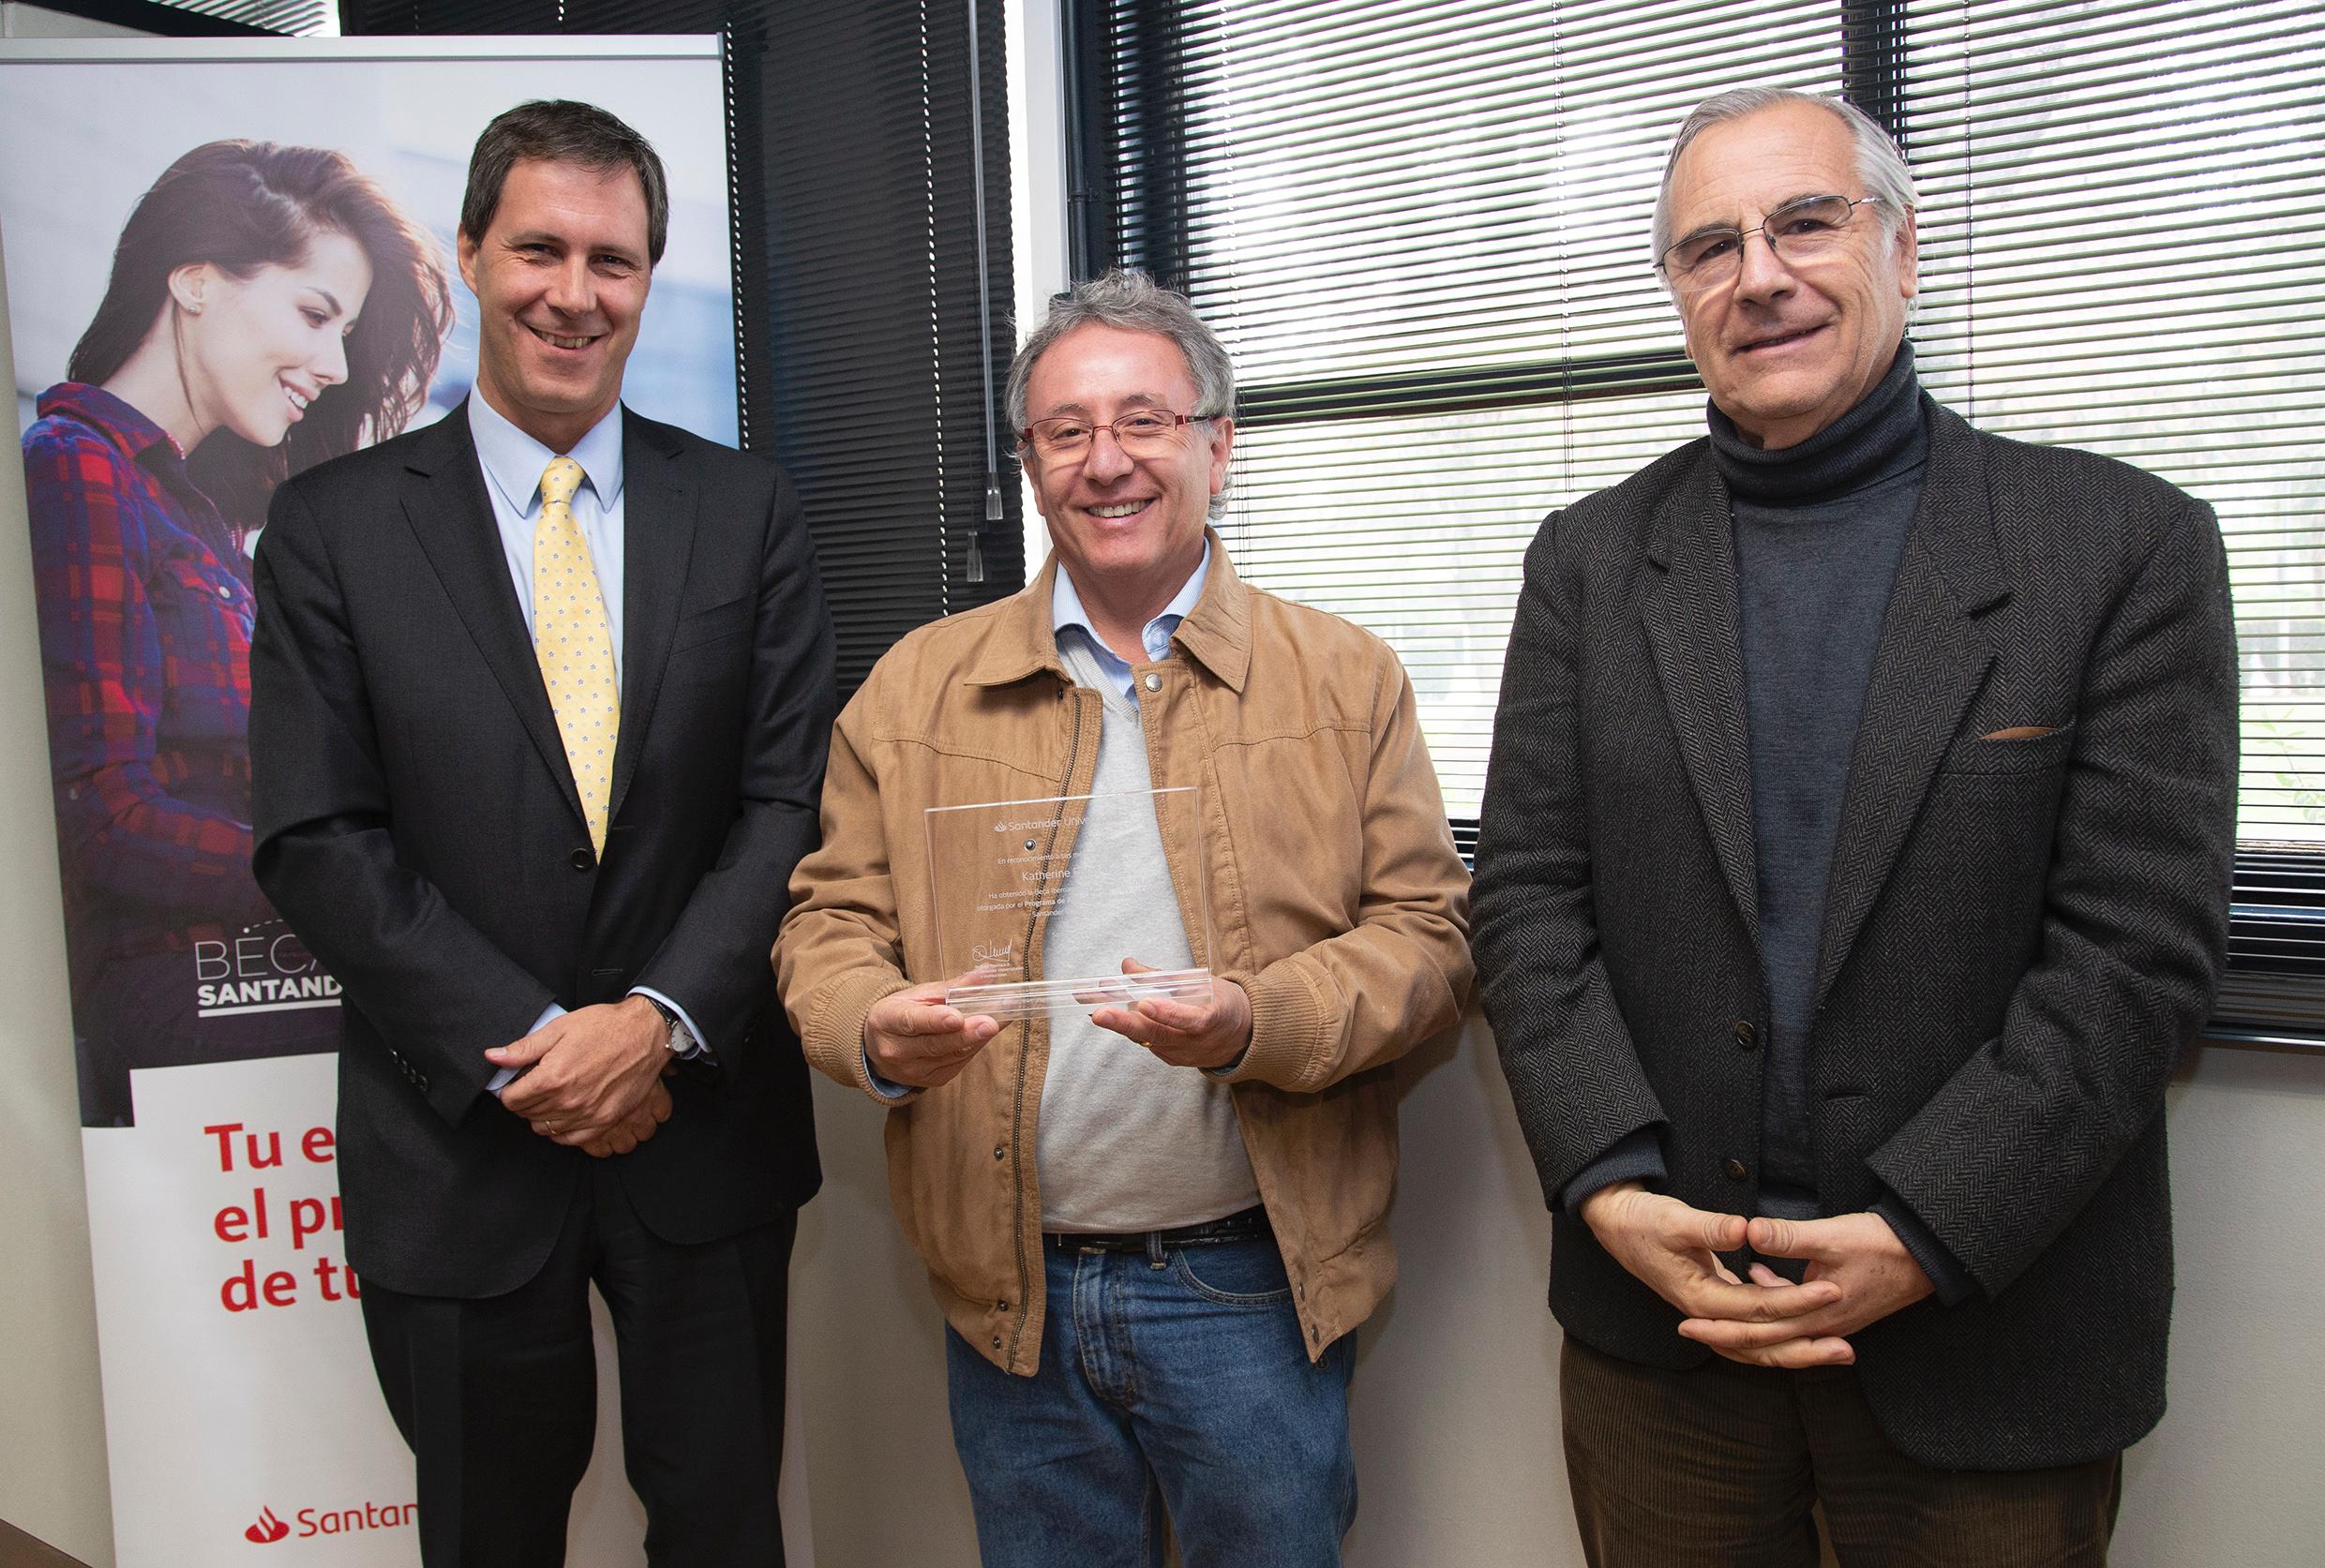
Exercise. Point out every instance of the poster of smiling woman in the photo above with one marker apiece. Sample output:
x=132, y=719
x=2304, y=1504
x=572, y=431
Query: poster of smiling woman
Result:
x=225, y=264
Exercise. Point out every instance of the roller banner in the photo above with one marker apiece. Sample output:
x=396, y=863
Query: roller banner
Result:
x=243, y=1423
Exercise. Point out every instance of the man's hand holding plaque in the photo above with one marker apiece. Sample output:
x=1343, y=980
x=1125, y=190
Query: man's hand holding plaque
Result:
x=1001, y=870
x=1209, y=1032
x=914, y=1038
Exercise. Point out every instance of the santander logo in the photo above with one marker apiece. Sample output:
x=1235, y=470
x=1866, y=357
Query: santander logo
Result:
x=272, y=1528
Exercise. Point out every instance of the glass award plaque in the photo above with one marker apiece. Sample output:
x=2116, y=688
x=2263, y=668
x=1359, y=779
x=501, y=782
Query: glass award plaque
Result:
x=1000, y=869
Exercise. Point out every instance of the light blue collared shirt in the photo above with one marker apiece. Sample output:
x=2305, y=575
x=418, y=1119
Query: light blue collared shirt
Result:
x=1066, y=614
x=512, y=462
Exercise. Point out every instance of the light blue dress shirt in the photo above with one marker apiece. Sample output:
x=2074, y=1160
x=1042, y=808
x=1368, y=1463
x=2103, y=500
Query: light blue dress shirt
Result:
x=1067, y=616
x=513, y=462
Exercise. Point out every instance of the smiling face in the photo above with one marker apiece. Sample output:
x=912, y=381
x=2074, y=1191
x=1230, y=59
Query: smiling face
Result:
x=255, y=351
x=559, y=276
x=1127, y=529
x=1784, y=349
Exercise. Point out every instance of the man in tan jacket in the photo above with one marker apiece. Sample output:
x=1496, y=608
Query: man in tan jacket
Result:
x=1152, y=1222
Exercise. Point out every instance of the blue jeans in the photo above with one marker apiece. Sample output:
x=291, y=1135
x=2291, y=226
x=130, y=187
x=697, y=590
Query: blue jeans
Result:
x=1177, y=1381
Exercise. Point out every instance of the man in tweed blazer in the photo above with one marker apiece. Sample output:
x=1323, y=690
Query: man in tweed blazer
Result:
x=1854, y=866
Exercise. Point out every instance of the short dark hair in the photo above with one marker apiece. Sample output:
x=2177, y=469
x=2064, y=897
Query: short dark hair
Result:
x=559, y=130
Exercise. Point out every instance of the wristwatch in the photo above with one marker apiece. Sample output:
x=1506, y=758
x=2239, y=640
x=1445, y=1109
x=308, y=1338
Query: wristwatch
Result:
x=680, y=1040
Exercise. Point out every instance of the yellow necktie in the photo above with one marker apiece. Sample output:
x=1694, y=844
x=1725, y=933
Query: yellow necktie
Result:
x=574, y=644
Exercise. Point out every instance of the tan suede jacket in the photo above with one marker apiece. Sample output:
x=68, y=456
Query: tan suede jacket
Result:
x=1337, y=901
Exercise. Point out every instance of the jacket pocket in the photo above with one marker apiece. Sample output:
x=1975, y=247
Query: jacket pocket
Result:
x=2036, y=754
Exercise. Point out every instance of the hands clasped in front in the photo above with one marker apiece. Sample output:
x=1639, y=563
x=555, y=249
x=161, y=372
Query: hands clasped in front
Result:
x=591, y=1079
x=912, y=1036
x=1858, y=1273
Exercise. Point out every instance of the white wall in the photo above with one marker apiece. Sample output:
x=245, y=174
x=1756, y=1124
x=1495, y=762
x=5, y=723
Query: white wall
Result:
x=1456, y=1405
x=51, y=1427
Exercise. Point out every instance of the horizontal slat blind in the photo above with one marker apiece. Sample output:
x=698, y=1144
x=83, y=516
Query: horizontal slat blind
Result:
x=856, y=233
x=2125, y=204
x=2125, y=201
x=1422, y=230
x=207, y=19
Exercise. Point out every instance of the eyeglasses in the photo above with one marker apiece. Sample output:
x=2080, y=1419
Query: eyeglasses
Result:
x=1799, y=232
x=1143, y=434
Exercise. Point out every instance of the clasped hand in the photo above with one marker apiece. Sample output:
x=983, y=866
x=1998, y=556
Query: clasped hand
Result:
x=591, y=1079
x=1858, y=1273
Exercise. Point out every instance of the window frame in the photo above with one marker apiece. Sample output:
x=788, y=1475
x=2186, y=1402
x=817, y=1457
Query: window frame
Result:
x=1127, y=207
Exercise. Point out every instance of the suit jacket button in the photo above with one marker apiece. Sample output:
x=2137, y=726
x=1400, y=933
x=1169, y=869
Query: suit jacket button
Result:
x=1745, y=1036
x=583, y=860
x=1735, y=1170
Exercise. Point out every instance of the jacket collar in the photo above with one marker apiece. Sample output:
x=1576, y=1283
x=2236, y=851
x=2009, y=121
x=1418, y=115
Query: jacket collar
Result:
x=1216, y=634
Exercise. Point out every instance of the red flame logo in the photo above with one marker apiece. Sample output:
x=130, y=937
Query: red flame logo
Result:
x=268, y=1530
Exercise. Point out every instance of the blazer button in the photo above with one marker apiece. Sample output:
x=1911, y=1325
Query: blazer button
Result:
x=1745, y=1036
x=583, y=860
x=1735, y=1170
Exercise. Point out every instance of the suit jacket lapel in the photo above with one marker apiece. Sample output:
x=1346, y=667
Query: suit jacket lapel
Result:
x=658, y=506
x=448, y=510
x=1931, y=659
x=1691, y=625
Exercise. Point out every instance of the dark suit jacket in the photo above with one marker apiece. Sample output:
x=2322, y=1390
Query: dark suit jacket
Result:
x=417, y=825
x=2020, y=936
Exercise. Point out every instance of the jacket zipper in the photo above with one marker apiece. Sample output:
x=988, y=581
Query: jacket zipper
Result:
x=1025, y=1057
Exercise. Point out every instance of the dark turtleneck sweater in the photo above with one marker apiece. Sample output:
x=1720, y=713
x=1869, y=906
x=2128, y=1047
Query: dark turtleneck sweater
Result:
x=1819, y=530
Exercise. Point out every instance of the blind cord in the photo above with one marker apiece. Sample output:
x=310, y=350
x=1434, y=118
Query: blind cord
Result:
x=985, y=297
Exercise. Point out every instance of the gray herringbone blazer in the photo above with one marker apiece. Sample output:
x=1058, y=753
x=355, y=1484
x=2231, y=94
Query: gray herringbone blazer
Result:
x=2021, y=935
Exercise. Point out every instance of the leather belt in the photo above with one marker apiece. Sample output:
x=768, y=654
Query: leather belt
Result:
x=1247, y=1225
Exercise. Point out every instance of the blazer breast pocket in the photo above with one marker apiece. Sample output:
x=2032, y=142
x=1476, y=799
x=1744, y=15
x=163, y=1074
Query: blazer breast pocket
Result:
x=2015, y=749
x=707, y=626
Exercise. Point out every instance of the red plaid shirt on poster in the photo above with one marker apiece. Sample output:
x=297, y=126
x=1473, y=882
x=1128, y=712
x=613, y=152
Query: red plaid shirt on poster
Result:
x=146, y=614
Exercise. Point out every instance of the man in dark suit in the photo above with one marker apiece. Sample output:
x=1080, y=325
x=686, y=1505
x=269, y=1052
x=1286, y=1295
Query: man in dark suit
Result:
x=1854, y=866
x=540, y=701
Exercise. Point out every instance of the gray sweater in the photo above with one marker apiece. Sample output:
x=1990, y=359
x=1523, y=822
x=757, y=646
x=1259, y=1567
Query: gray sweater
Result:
x=1127, y=1142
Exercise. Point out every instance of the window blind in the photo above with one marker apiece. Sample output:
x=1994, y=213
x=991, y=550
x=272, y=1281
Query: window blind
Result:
x=1422, y=230
x=205, y=19
x=857, y=244
x=2125, y=203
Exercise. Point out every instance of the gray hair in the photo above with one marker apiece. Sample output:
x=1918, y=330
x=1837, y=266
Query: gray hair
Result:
x=1881, y=168
x=1130, y=300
